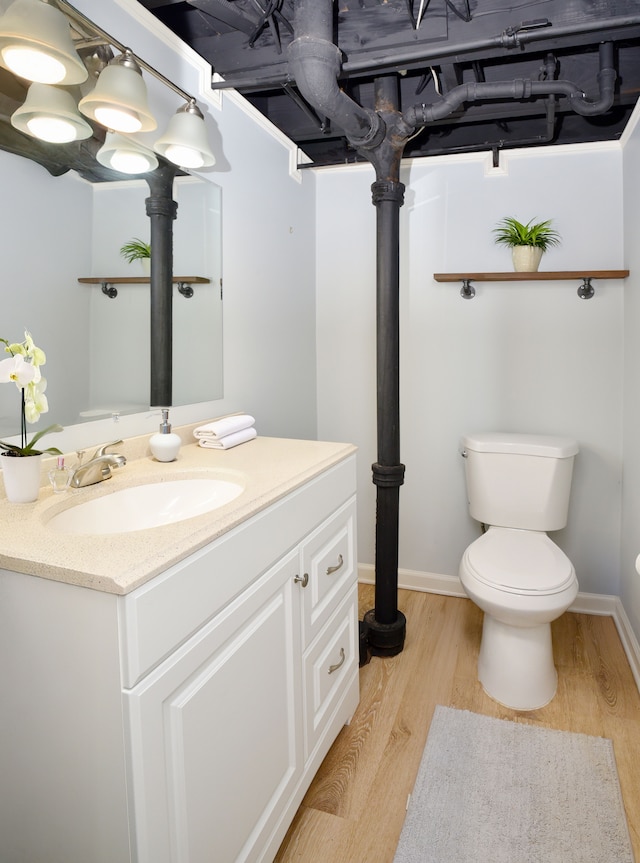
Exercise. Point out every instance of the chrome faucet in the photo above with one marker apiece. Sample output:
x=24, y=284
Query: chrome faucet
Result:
x=98, y=468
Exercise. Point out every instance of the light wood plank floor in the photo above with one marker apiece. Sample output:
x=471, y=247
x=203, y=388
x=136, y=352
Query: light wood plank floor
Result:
x=355, y=807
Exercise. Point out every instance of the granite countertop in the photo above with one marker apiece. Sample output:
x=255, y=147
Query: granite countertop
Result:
x=269, y=468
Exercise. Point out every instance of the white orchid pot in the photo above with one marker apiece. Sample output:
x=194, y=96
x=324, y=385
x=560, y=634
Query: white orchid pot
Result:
x=526, y=259
x=21, y=476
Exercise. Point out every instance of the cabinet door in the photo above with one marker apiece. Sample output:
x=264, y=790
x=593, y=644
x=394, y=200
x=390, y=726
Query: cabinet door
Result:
x=329, y=562
x=216, y=743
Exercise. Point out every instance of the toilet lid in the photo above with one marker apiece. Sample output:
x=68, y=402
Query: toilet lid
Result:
x=519, y=561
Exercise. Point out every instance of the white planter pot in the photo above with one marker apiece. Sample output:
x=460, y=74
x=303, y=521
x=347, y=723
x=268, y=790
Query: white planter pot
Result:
x=21, y=476
x=526, y=259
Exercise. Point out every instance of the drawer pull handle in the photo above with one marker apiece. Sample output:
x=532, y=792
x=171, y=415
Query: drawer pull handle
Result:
x=332, y=569
x=304, y=581
x=338, y=665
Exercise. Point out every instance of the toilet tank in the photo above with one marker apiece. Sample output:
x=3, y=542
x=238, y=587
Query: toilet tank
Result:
x=519, y=480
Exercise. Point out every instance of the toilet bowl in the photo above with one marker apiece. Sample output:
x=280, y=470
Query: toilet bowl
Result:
x=518, y=488
x=522, y=581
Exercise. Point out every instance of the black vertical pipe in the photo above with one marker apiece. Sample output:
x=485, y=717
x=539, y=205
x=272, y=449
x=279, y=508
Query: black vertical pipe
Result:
x=162, y=210
x=385, y=624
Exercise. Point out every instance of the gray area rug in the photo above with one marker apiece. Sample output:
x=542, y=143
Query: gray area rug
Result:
x=493, y=791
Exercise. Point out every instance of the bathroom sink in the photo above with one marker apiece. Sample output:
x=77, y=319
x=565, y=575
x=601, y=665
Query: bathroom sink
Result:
x=143, y=506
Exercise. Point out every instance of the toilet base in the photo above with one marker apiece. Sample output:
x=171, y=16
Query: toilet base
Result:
x=515, y=666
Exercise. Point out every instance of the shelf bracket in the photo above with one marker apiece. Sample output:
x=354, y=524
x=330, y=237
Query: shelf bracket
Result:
x=185, y=289
x=109, y=290
x=586, y=289
x=467, y=291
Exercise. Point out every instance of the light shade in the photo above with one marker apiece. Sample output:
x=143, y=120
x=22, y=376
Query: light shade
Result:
x=50, y=114
x=36, y=44
x=185, y=141
x=119, y=99
x=125, y=155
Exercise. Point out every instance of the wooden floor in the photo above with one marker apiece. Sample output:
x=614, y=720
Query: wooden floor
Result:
x=355, y=807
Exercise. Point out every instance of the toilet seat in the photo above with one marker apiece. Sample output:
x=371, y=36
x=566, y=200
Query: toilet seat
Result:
x=519, y=561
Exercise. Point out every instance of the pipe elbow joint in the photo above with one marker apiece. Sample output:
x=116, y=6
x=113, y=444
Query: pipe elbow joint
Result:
x=315, y=66
x=583, y=106
x=312, y=62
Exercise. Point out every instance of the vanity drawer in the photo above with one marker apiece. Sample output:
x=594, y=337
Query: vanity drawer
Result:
x=329, y=562
x=330, y=667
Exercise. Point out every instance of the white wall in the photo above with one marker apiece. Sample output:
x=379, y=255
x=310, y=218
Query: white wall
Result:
x=629, y=578
x=528, y=357
x=45, y=244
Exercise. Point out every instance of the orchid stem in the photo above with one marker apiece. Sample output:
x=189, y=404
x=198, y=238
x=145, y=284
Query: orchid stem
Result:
x=23, y=423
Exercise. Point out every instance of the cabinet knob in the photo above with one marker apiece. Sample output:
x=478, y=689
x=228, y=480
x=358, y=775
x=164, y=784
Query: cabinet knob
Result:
x=339, y=664
x=304, y=581
x=332, y=569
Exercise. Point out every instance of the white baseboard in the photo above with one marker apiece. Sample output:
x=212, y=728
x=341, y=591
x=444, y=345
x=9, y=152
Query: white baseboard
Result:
x=585, y=603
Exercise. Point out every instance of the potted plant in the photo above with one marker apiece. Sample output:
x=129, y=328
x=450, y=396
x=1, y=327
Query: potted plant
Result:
x=21, y=463
x=137, y=250
x=527, y=242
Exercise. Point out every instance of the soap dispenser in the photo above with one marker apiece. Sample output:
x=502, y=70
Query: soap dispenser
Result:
x=165, y=445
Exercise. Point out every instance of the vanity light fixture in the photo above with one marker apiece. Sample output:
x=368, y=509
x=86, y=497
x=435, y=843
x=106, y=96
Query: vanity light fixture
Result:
x=125, y=155
x=119, y=99
x=36, y=44
x=50, y=114
x=185, y=141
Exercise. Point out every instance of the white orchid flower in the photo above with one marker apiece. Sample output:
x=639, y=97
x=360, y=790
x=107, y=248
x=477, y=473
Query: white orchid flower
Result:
x=37, y=355
x=23, y=369
x=15, y=369
x=35, y=401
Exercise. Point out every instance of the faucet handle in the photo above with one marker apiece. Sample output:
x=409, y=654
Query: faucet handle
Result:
x=102, y=449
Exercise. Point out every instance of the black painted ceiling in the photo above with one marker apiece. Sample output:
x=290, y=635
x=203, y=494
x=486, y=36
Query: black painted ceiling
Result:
x=456, y=42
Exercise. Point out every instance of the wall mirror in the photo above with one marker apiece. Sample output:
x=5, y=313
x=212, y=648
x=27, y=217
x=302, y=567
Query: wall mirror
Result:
x=62, y=228
x=62, y=225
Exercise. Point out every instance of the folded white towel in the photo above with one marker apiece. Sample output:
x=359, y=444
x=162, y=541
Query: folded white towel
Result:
x=225, y=426
x=228, y=440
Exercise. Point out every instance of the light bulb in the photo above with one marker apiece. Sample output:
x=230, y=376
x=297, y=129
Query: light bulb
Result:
x=117, y=119
x=33, y=65
x=186, y=157
x=52, y=129
x=130, y=163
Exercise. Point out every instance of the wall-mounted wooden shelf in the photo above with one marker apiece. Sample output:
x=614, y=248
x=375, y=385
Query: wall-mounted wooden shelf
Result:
x=184, y=283
x=585, y=291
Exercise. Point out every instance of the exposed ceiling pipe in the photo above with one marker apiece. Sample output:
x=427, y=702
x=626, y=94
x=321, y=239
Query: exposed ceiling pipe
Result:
x=511, y=39
x=420, y=115
x=314, y=62
x=433, y=54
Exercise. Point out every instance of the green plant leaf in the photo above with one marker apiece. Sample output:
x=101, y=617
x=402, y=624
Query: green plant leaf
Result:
x=29, y=449
x=510, y=232
x=135, y=249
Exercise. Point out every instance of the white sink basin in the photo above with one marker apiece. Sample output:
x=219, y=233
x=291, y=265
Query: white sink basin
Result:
x=143, y=506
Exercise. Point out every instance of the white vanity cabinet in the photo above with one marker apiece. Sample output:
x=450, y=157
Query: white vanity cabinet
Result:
x=221, y=685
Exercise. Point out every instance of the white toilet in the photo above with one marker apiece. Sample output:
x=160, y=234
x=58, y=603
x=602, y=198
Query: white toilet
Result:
x=518, y=487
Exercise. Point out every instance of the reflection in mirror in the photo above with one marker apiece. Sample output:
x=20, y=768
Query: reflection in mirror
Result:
x=119, y=353
x=63, y=228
